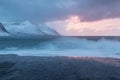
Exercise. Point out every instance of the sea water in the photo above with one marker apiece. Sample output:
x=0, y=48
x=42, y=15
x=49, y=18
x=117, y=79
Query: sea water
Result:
x=92, y=46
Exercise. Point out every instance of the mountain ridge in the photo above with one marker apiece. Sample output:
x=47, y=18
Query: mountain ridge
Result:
x=26, y=30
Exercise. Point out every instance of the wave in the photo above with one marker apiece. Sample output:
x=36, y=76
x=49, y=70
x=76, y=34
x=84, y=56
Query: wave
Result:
x=62, y=46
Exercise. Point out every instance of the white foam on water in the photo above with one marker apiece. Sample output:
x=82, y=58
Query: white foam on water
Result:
x=70, y=47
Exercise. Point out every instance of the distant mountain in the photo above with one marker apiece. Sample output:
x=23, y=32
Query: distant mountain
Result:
x=26, y=30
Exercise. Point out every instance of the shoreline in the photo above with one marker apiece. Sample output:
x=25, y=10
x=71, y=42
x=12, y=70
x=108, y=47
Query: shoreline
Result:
x=14, y=67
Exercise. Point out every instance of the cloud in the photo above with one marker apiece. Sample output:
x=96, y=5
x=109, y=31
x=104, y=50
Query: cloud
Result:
x=35, y=10
x=74, y=26
x=98, y=9
x=47, y=10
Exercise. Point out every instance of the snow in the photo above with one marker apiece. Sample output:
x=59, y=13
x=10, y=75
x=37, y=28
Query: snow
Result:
x=2, y=34
x=27, y=29
x=47, y=30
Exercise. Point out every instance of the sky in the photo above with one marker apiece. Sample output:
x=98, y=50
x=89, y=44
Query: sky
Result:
x=68, y=17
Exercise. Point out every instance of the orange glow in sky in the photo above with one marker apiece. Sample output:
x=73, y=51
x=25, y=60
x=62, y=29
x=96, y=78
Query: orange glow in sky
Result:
x=101, y=27
x=75, y=27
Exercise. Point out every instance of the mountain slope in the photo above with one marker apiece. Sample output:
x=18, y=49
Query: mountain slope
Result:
x=3, y=31
x=26, y=29
x=2, y=28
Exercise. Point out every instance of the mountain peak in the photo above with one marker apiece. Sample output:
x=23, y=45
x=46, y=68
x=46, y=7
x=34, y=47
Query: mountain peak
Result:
x=26, y=30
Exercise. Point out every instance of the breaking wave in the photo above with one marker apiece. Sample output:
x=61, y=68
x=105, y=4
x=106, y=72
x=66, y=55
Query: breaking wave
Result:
x=61, y=46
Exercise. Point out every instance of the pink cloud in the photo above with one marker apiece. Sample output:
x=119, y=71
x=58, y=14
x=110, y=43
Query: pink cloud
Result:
x=74, y=26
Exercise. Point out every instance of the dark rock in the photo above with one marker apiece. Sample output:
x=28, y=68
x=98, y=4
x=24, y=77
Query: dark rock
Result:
x=59, y=68
x=2, y=28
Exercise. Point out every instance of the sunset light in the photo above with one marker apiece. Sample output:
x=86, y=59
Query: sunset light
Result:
x=104, y=27
x=59, y=39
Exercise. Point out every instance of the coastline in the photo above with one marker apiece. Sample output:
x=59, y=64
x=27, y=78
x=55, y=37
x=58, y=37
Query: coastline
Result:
x=14, y=67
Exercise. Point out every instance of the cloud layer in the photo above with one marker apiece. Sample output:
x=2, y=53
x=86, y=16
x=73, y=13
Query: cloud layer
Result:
x=48, y=10
x=74, y=26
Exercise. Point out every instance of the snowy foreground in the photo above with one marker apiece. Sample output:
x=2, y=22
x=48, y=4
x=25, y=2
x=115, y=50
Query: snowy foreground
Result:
x=13, y=67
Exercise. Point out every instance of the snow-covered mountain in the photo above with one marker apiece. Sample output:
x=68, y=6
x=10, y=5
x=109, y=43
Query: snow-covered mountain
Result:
x=25, y=30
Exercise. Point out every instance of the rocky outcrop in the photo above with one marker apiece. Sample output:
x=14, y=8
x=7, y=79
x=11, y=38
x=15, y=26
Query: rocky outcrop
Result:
x=2, y=28
x=3, y=31
x=58, y=68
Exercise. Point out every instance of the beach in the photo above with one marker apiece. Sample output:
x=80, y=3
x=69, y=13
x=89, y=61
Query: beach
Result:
x=14, y=67
x=59, y=40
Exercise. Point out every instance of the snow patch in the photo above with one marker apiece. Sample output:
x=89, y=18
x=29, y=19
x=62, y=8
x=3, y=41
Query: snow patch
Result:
x=2, y=34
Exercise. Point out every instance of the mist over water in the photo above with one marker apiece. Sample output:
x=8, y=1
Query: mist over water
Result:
x=62, y=46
